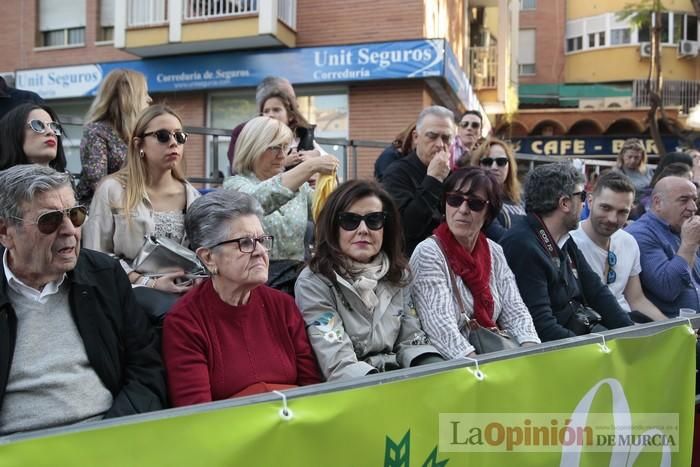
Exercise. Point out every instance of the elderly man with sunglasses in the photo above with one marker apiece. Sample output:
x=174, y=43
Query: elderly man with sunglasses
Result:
x=565, y=297
x=74, y=346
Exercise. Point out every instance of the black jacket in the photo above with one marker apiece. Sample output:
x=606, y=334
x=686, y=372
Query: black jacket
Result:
x=417, y=196
x=120, y=344
x=547, y=290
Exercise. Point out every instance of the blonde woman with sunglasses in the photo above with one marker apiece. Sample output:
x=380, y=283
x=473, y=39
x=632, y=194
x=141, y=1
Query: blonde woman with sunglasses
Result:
x=149, y=196
x=497, y=157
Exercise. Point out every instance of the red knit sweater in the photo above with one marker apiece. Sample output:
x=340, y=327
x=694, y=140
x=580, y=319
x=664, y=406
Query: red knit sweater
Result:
x=213, y=350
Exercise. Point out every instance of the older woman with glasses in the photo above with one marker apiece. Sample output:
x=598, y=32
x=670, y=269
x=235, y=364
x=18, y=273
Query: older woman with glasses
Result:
x=497, y=156
x=149, y=196
x=354, y=294
x=32, y=134
x=232, y=335
x=286, y=197
x=461, y=278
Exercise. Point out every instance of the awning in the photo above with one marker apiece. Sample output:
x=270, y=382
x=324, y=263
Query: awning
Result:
x=568, y=95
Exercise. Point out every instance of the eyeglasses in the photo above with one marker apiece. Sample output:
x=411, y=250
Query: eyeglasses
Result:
x=468, y=124
x=40, y=127
x=351, y=221
x=163, y=136
x=612, y=261
x=488, y=161
x=49, y=222
x=580, y=194
x=277, y=150
x=249, y=244
x=456, y=200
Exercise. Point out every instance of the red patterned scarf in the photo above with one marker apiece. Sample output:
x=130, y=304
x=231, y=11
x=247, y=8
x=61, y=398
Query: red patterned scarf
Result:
x=474, y=268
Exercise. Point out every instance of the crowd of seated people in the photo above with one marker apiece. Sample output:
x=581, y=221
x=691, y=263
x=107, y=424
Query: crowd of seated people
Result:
x=404, y=273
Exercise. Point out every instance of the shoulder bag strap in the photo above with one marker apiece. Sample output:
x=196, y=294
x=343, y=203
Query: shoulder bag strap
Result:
x=455, y=289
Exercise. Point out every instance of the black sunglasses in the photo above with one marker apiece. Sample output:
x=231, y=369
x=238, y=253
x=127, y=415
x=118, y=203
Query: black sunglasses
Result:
x=580, y=194
x=49, y=222
x=456, y=199
x=351, y=221
x=248, y=244
x=468, y=124
x=40, y=127
x=488, y=161
x=163, y=136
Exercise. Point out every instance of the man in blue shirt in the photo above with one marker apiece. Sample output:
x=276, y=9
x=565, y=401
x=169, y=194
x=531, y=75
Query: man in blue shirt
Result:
x=668, y=236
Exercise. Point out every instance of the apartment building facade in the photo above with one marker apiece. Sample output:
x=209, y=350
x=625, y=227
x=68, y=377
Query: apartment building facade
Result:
x=362, y=70
x=583, y=71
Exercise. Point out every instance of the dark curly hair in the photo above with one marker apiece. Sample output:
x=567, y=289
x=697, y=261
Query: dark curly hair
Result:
x=329, y=259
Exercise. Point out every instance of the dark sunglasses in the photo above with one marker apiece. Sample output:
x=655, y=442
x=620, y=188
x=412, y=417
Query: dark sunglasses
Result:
x=163, y=136
x=612, y=261
x=455, y=200
x=248, y=244
x=351, y=221
x=488, y=161
x=468, y=124
x=40, y=127
x=49, y=222
x=580, y=194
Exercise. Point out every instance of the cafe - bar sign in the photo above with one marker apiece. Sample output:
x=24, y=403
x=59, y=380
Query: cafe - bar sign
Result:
x=585, y=146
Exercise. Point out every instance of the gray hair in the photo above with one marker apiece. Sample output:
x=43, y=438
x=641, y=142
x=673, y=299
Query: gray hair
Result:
x=436, y=111
x=207, y=218
x=549, y=182
x=20, y=184
x=270, y=84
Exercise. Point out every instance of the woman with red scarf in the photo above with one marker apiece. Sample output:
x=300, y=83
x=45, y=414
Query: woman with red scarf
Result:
x=484, y=282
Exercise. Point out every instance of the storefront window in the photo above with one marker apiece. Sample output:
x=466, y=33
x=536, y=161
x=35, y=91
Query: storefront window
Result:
x=328, y=110
x=72, y=114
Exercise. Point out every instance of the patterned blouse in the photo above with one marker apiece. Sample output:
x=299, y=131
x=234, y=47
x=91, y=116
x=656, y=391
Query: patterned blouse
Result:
x=102, y=152
x=286, y=212
x=169, y=224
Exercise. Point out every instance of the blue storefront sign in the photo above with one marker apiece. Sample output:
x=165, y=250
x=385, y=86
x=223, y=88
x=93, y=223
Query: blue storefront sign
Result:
x=585, y=146
x=425, y=58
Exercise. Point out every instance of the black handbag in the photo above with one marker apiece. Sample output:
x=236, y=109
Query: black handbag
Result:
x=584, y=320
x=483, y=339
x=306, y=138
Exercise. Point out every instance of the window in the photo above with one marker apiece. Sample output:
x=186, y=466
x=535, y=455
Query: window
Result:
x=691, y=28
x=74, y=108
x=574, y=43
x=526, y=52
x=105, y=31
x=61, y=23
x=528, y=4
x=620, y=36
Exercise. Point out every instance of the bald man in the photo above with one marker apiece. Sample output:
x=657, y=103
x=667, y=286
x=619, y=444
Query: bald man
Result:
x=668, y=236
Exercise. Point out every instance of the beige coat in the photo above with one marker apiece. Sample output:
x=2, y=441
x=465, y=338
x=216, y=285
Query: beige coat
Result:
x=107, y=228
x=349, y=340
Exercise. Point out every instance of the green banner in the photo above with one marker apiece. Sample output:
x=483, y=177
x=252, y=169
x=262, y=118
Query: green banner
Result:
x=523, y=411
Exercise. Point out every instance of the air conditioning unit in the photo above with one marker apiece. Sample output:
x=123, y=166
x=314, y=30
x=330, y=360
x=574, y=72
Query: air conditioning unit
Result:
x=9, y=77
x=590, y=103
x=617, y=102
x=645, y=49
x=687, y=49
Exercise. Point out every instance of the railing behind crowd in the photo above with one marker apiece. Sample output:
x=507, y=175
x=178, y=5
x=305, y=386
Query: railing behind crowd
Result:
x=345, y=149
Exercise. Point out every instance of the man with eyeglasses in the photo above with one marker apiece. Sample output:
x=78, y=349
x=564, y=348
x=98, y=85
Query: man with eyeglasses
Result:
x=611, y=252
x=415, y=181
x=564, y=296
x=74, y=346
x=468, y=133
x=668, y=236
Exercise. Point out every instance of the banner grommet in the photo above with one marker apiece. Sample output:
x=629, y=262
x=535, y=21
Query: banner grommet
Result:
x=285, y=412
x=604, y=347
x=478, y=374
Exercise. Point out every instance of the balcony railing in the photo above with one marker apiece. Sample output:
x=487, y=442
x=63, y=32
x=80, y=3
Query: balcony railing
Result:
x=206, y=9
x=146, y=12
x=484, y=67
x=675, y=93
